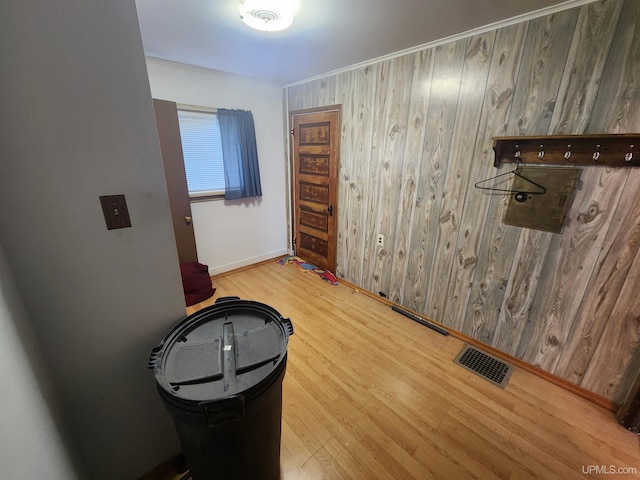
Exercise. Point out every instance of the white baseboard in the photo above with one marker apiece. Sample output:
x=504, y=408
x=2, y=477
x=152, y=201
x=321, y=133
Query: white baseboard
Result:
x=247, y=261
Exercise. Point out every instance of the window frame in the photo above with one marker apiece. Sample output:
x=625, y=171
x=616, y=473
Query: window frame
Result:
x=206, y=195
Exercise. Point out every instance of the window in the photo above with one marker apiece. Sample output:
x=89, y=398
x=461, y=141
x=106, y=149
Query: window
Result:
x=220, y=153
x=202, y=151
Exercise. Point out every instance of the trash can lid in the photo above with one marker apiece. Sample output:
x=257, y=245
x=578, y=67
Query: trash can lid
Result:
x=221, y=350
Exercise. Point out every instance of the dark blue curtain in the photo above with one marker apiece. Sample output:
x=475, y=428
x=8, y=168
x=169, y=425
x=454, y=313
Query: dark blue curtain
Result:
x=239, y=154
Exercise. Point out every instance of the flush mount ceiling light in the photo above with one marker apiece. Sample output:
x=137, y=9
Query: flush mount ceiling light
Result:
x=268, y=15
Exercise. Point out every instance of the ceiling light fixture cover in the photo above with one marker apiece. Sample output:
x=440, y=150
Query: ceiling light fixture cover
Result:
x=269, y=15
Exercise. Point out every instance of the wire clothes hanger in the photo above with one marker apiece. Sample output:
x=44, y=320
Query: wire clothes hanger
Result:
x=520, y=194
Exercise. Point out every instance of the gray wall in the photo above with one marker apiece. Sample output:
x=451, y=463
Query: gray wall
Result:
x=417, y=134
x=30, y=420
x=77, y=123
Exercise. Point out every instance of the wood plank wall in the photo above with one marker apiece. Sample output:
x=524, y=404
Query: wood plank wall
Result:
x=417, y=134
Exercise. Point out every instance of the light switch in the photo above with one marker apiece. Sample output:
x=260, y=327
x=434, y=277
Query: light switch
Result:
x=115, y=211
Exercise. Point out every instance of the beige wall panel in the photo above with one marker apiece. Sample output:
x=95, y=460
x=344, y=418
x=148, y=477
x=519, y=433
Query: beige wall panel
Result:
x=616, y=113
x=357, y=158
x=517, y=255
x=568, y=266
x=592, y=39
x=391, y=148
x=543, y=59
x=530, y=247
x=414, y=146
x=615, y=363
x=294, y=97
x=376, y=166
x=344, y=96
x=472, y=88
x=328, y=92
x=616, y=106
x=513, y=279
x=448, y=61
x=475, y=221
x=311, y=94
x=572, y=255
x=608, y=280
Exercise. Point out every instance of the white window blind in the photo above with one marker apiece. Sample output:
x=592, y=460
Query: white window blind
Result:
x=202, y=151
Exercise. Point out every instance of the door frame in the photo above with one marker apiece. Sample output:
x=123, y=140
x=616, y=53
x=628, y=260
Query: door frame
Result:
x=292, y=177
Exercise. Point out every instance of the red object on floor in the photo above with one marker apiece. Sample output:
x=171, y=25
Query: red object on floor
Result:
x=196, y=282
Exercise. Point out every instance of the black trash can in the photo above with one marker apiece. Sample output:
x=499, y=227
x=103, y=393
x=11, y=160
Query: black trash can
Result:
x=219, y=373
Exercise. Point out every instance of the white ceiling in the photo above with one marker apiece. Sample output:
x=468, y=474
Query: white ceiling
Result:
x=326, y=35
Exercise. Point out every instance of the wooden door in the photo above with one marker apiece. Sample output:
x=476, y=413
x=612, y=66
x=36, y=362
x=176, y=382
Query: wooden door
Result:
x=171, y=147
x=315, y=151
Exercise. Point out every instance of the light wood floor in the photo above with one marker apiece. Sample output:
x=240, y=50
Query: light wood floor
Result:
x=370, y=394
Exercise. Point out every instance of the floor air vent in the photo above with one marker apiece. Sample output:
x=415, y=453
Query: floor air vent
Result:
x=485, y=365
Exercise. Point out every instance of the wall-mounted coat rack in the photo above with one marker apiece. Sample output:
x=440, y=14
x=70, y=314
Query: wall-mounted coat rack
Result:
x=621, y=150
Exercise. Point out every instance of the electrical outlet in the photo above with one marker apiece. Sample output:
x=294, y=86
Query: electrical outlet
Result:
x=380, y=240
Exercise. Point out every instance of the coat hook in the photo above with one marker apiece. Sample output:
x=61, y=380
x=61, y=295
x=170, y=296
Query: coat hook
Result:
x=567, y=154
x=629, y=156
x=596, y=154
x=541, y=152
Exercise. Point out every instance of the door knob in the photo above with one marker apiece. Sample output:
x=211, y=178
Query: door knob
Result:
x=188, y=220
